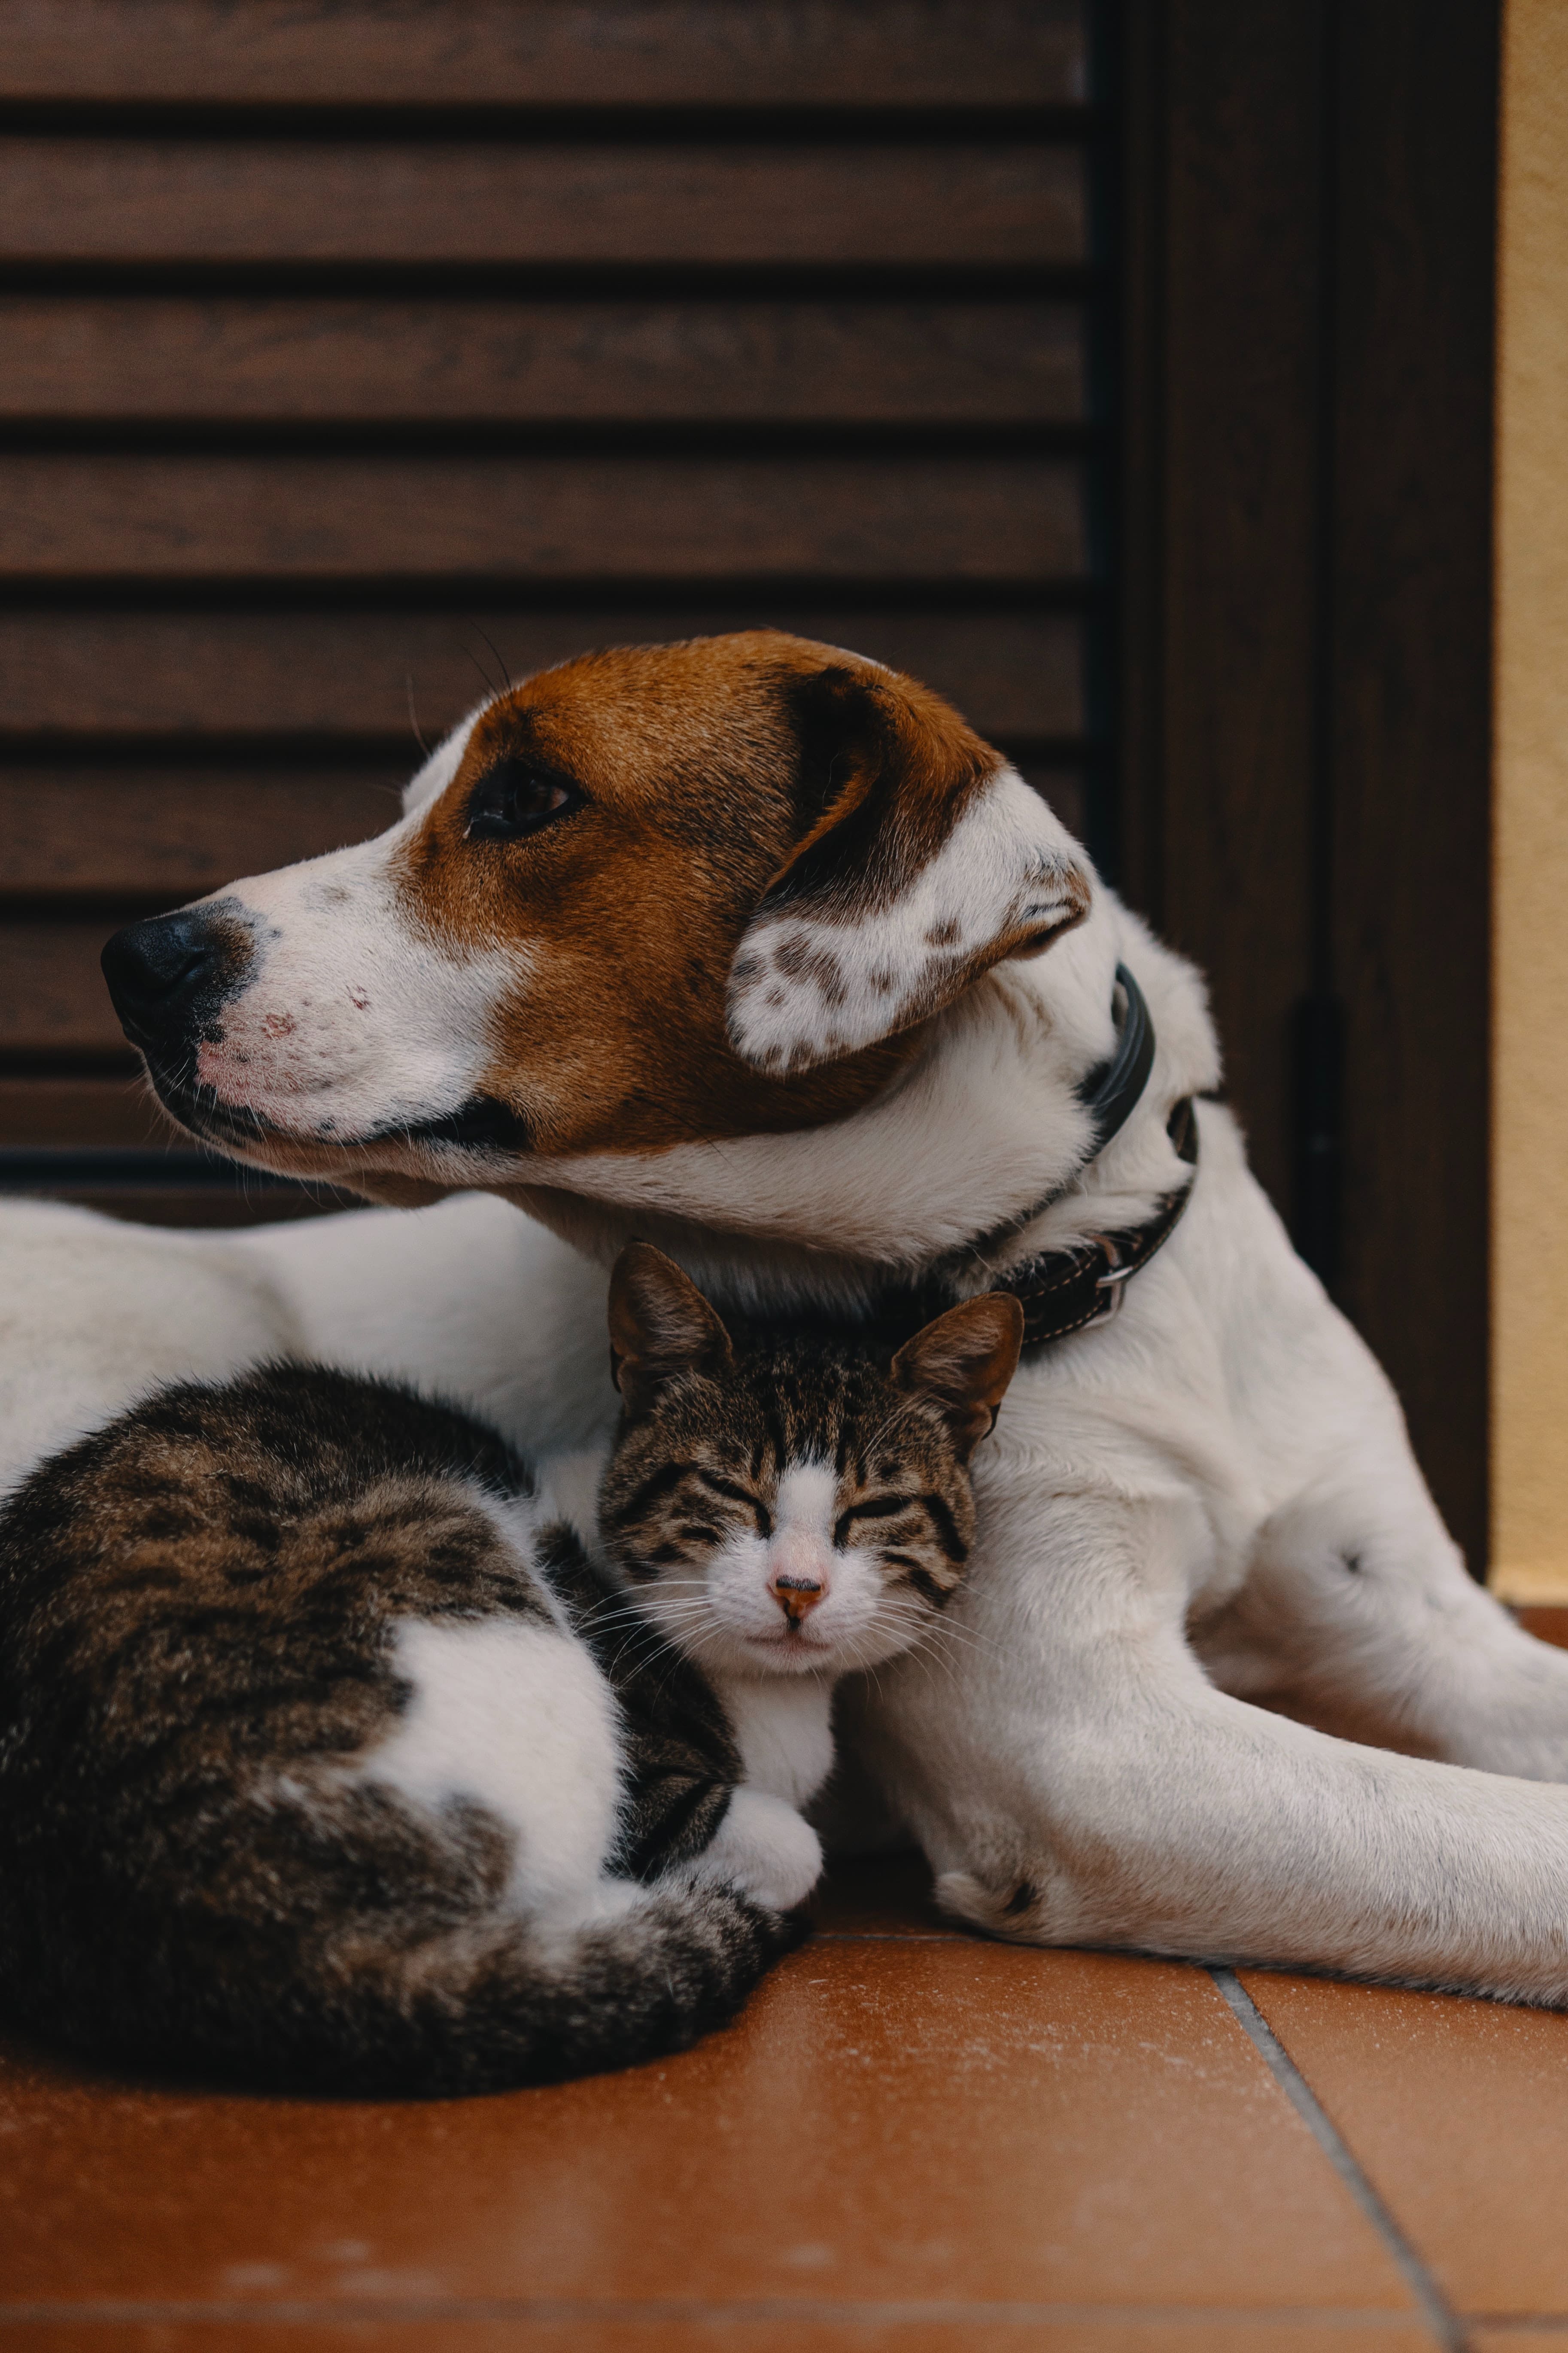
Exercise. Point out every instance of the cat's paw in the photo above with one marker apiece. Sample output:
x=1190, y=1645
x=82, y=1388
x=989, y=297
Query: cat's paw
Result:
x=765, y=1848
x=1016, y=1910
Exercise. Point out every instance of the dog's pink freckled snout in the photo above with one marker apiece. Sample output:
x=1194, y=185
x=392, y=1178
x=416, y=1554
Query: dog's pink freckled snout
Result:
x=278, y=1025
x=358, y=996
x=216, y=1066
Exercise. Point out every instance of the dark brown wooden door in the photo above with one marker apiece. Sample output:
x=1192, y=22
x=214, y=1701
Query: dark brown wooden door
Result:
x=1305, y=786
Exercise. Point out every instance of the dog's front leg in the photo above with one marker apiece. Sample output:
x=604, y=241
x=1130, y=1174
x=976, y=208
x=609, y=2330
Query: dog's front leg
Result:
x=1358, y=1616
x=1075, y=1778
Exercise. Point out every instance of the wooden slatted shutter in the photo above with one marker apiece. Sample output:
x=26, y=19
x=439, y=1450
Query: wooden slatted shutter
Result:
x=359, y=352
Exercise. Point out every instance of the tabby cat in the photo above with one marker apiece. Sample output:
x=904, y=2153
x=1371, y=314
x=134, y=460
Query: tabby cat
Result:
x=785, y=1508
x=330, y=1759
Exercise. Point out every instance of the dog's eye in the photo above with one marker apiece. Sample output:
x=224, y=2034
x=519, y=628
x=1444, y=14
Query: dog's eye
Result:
x=514, y=798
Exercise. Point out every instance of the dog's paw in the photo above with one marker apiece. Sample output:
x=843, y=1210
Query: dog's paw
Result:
x=766, y=1848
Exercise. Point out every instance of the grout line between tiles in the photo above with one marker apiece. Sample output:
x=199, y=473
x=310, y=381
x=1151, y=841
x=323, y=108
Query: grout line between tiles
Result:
x=1444, y=2323
x=690, y=2311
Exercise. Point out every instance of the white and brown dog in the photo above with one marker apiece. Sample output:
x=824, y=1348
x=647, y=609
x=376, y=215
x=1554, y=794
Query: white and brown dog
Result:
x=736, y=944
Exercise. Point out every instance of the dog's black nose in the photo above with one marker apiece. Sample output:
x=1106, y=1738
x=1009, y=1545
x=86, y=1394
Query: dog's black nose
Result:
x=169, y=974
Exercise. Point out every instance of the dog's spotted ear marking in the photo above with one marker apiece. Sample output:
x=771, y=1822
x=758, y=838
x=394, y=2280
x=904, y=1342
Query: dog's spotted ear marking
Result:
x=661, y=1327
x=922, y=860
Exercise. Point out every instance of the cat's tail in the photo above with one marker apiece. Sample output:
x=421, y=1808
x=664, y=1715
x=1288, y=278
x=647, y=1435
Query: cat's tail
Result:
x=504, y=2001
x=356, y=2007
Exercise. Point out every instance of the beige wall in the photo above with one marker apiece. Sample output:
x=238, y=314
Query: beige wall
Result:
x=1530, y=1214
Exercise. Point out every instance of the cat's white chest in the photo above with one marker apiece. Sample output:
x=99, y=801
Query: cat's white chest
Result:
x=784, y=1730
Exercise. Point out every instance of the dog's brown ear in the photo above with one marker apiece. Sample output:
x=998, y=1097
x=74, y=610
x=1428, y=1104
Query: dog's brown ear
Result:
x=924, y=860
x=660, y=1326
x=963, y=1362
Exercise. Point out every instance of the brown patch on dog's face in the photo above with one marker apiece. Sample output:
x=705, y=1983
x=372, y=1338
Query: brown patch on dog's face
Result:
x=670, y=895
x=685, y=787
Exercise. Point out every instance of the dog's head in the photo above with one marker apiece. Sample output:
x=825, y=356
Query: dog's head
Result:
x=659, y=895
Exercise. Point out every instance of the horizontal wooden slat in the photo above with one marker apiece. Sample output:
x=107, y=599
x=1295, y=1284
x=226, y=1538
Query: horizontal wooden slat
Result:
x=547, y=52
x=1013, y=519
x=245, y=1204
x=66, y=1114
x=231, y=360
x=173, y=836
x=314, y=200
x=174, y=1185
x=52, y=997
x=1014, y=675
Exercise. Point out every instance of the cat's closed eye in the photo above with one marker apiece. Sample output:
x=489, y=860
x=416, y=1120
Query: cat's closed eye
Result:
x=871, y=1507
x=731, y=1490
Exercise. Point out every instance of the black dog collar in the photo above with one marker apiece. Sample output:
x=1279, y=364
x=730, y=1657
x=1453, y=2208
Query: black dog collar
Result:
x=1068, y=1291
x=1113, y=1091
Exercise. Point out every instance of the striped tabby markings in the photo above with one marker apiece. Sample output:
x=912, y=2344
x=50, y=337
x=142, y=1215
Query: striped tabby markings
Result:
x=784, y=1504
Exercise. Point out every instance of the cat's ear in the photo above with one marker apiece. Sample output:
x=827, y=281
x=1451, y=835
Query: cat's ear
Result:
x=660, y=1326
x=923, y=859
x=963, y=1362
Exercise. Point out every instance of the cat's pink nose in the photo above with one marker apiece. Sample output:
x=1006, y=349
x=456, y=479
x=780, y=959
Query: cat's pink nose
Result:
x=799, y=1578
x=797, y=1595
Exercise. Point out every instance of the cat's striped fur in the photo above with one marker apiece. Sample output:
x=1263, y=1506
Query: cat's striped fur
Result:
x=706, y=1467
x=323, y=1763
x=236, y=1629
x=786, y=1507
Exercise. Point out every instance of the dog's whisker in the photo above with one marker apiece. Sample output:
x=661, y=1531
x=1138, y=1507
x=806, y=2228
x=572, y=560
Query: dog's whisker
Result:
x=500, y=663
x=414, y=718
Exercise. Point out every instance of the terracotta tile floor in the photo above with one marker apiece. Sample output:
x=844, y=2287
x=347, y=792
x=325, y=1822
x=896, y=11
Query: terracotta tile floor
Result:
x=913, y=2142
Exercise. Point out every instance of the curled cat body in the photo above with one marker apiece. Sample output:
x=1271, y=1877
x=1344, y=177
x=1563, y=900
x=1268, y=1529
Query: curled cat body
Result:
x=329, y=1759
